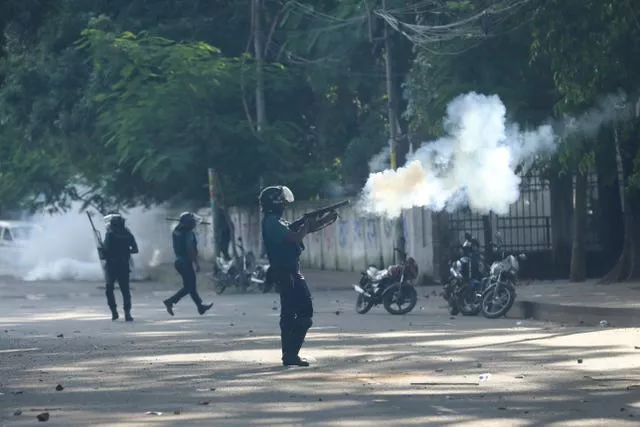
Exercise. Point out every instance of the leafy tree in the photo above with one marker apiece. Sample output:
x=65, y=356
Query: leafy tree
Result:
x=593, y=51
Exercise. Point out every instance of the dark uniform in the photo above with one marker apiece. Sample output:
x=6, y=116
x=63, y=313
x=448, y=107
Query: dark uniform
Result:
x=185, y=248
x=296, y=307
x=118, y=246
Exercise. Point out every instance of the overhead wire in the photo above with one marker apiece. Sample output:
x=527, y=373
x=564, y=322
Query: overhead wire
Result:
x=432, y=38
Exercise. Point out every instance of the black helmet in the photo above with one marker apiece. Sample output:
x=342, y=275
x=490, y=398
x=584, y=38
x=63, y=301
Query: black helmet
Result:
x=187, y=219
x=114, y=220
x=273, y=199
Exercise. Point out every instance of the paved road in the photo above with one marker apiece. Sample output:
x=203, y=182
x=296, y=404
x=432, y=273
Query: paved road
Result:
x=372, y=370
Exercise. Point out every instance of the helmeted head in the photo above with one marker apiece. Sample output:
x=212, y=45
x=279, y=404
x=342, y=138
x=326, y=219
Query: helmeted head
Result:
x=114, y=220
x=274, y=199
x=187, y=220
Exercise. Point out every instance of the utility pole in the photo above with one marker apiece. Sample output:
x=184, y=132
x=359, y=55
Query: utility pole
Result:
x=212, y=202
x=393, y=125
x=257, y=44
x=261, y=117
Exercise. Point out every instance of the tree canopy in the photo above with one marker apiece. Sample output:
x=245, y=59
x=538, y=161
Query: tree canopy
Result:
x=132, y=101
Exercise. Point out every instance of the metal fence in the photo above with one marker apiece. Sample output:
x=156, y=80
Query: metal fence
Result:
x=527, y=226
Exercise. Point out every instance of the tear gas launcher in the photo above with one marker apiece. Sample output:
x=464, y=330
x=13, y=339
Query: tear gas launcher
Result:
x=319, y=218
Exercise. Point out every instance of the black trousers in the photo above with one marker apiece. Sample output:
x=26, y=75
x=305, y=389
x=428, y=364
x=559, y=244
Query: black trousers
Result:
x=296, y=310
x=121, y=275
x=188, y=274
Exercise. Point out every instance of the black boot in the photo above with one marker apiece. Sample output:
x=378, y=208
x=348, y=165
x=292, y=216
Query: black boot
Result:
x=298, y=333
x=114, y=314
x=169, y=306
x=204, y=308
x=127, y=316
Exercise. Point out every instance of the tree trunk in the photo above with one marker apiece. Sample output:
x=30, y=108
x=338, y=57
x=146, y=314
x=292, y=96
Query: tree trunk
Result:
x=626, y=268
x=578, y=271
x=608, y=209
x=561, y=192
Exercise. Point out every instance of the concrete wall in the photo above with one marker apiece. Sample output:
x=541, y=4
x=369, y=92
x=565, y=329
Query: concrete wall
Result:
x=352, y=243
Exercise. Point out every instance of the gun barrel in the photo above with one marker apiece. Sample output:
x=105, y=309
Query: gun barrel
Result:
x=338, y=205
x=329, y=208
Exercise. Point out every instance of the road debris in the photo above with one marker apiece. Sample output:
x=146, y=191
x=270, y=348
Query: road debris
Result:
x=43, y=416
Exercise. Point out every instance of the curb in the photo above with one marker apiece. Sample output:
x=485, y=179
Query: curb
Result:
x=576, y=314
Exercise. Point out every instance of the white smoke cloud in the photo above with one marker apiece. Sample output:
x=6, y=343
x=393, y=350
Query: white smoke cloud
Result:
x=474, y=164
x=64, y=247
x=380, y=161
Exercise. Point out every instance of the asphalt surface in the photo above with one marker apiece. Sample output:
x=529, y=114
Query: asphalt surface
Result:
x=223, y=368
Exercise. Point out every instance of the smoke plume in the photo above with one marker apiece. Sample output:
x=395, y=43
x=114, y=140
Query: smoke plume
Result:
x=63, y=247
x=475, y=163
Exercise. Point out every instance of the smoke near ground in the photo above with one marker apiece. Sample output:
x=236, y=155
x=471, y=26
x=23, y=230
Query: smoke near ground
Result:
x=63, y=247
x=475, y=163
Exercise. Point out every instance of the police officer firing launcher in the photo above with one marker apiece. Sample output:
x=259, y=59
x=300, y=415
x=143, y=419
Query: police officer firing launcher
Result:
x=284, y=247
x=118, y=246
x=283, y=244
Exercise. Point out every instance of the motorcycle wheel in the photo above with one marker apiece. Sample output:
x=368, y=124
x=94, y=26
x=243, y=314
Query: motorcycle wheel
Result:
x=469, y=305
x=506, y=297
x=244, y=282
x=453, y=308
x=363, y=305
x=265, y=287
x=399, y=295
x=218, y=285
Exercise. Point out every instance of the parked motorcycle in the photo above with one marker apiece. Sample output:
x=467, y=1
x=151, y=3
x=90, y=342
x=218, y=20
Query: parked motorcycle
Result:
x=391, y=287
x=234, y=272
x=500, y=294
x=466, y=281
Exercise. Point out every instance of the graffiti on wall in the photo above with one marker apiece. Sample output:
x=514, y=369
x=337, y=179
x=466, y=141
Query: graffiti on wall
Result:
x=358, y=225
x=343, y=233
x=372, y=232
x=387, y=227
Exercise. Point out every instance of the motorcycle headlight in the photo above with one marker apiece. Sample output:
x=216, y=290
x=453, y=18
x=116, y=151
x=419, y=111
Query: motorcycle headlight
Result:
x=496, y=268
x=456, y=269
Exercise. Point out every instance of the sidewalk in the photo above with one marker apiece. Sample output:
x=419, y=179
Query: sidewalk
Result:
x=585, y=303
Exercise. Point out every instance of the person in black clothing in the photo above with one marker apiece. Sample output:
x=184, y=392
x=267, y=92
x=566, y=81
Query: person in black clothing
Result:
x=222, y=234
x=185, y=247
x=118, y=246
x=284, y=247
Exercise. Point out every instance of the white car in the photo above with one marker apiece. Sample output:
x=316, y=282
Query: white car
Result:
x=13, y=235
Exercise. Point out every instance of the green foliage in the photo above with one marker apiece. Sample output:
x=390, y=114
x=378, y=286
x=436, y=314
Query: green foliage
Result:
x=593, y=49
x=135, y=100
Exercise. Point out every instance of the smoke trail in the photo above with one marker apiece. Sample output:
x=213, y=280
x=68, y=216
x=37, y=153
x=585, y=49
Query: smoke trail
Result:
x=380, y=161
x=475, y=163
